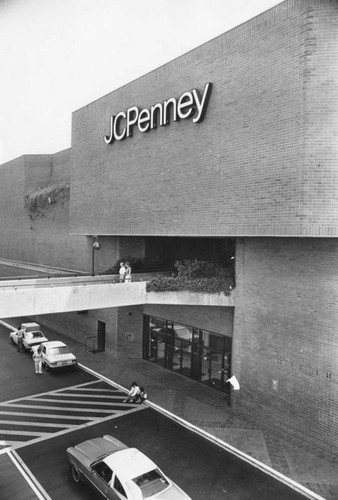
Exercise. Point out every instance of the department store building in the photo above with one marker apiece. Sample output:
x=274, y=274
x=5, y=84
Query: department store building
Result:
x=234, y=141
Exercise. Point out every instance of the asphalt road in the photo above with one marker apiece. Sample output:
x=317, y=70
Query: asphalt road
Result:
x=204, y=470
x=18, y=376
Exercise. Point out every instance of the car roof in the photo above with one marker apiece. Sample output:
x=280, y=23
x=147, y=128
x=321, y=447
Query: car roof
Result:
x=54, y=343
x=129, y=463
x=27, y=325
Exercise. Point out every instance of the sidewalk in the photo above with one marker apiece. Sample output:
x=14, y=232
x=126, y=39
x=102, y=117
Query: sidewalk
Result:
x=209, y=410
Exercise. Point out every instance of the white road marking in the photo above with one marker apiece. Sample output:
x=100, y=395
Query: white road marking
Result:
x=83, y=426
x=36, y=424
x=26, y=433
x=48, y=415
x=71, y=401
x=79, y=396
x=93, y=389
x=66, y=408
x=29, y=477
x=3, y=403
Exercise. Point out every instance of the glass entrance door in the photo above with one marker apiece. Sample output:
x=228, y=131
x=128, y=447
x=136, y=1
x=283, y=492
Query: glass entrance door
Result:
x=192, y=352
x=216, y=362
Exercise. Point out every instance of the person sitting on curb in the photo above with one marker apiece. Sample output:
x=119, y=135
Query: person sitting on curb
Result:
x=133, y=393
x=142, y=396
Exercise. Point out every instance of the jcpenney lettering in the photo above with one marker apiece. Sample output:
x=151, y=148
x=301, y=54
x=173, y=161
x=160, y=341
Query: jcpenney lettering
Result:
x=189, y=105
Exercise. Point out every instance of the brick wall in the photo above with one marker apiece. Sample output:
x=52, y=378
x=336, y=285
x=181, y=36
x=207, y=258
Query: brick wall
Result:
x=130, y=331
x=82, y=326
x=285, y=344
x=261, y=163
x=41, y=236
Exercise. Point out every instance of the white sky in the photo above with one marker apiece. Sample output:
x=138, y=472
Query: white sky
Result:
x=59, y=55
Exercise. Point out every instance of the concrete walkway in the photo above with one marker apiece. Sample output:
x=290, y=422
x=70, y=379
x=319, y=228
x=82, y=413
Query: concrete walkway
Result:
x=209, y=410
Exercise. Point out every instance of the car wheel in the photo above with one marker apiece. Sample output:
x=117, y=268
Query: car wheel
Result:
x=11, y=339
x=75, y=474
x=46, y=367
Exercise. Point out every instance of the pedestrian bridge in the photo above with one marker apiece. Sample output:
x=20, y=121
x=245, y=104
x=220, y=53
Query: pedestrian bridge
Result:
x=28, y=297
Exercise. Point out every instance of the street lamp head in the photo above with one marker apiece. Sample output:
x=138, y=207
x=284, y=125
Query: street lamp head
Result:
x=97, y=245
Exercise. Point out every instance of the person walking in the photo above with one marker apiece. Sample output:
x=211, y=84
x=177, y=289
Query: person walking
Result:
x=37, y=358
x=122, y=273
x=128, y=273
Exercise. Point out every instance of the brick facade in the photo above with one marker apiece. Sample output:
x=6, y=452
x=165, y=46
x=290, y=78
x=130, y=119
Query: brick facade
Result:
x=37, y=236
x=268, y=138
x=285, y=345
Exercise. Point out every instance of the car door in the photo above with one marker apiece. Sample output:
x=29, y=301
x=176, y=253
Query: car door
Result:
x=100, y=477
x=117, y=488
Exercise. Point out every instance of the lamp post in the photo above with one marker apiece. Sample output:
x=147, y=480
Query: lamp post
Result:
x=96, y=245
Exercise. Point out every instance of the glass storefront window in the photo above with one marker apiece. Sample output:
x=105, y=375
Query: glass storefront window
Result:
x=199, y=354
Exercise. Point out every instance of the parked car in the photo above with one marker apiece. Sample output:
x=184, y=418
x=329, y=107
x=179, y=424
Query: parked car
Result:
x=56, y=354
x=31, y=335
x=116, y=471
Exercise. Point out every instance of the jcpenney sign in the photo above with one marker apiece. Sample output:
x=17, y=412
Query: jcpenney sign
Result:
x=190, y=104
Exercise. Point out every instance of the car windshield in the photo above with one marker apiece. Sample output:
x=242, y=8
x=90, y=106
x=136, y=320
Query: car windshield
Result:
x=151, y=483
x=55, y=351
x=35, y=335
x=31, y=328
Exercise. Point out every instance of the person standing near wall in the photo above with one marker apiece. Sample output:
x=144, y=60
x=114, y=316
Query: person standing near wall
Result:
x=128, y=272
x=122, y=273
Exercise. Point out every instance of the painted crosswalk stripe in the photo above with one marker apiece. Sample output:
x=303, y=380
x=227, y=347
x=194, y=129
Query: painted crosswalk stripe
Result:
x=69, y=409
x=46, y=415
x=82, y=396
x=26, y=433
x=34, y=424
x=71, y=401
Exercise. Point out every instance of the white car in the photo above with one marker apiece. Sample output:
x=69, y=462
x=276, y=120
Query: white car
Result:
x=118, y=472
x=56, y=354
x=31, y=336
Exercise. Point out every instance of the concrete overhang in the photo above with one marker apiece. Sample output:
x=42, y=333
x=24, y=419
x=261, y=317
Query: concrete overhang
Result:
x=56, y=295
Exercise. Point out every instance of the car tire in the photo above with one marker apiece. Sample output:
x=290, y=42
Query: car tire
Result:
x=75, y=474
x=11, y=339
x=46, y=367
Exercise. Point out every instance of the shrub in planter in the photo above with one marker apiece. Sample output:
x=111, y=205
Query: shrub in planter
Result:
x=195, y=276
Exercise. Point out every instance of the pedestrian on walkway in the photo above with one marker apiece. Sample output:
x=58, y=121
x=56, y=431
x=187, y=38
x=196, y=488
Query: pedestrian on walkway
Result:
x=133, y=393
x=37, y=358
x=20, y=340
x=128, y=272
x=122, y=273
